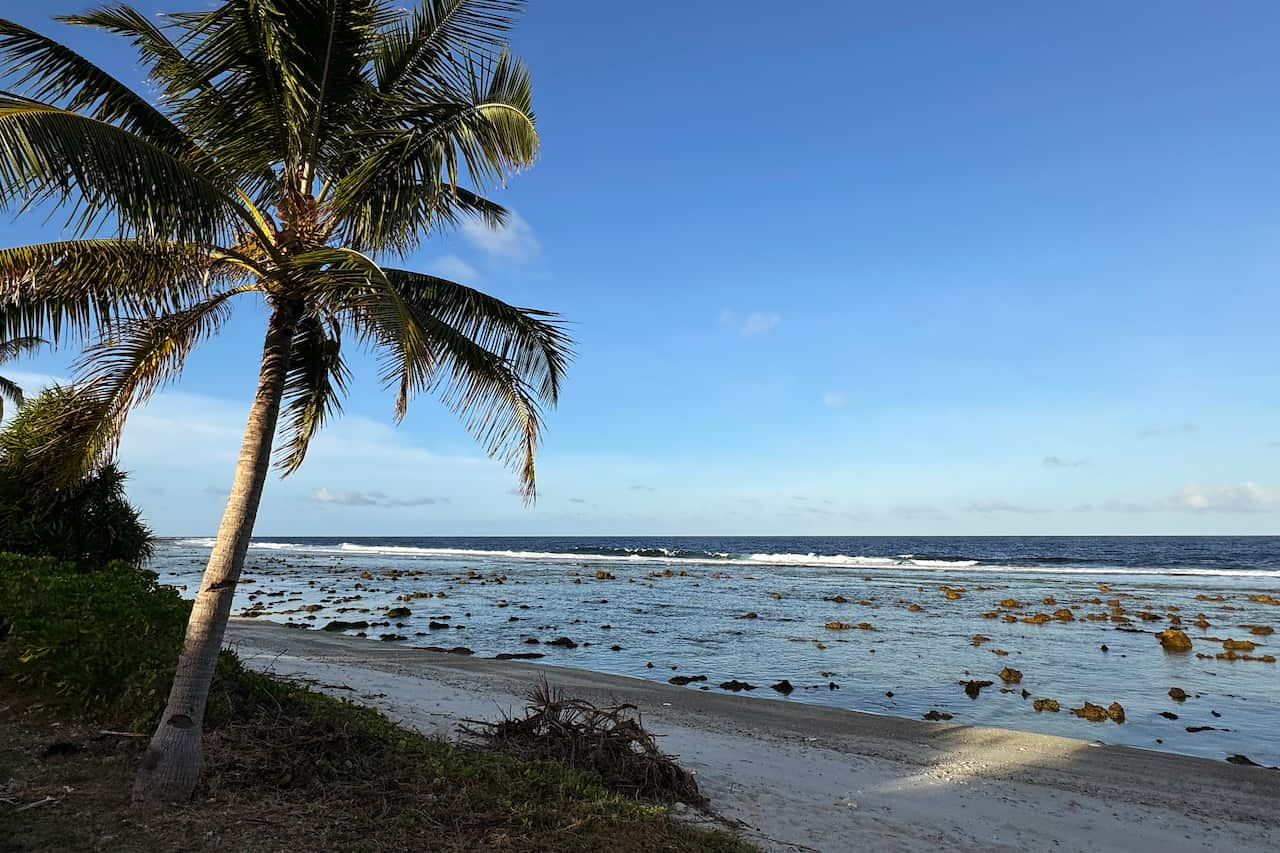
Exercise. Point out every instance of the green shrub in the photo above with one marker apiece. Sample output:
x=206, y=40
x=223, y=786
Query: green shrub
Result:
x=49, y=507
x=104, y=641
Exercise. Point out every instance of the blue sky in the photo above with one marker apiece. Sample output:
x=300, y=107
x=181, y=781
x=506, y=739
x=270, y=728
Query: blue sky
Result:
x=835, y=268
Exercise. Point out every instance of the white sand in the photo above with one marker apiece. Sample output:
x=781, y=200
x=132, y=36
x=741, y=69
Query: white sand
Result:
x=801, y=777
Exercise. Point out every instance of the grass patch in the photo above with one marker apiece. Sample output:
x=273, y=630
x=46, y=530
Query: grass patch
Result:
x=288, y=768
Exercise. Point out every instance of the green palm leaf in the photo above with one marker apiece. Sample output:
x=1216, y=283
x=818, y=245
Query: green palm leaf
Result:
x=315, y=384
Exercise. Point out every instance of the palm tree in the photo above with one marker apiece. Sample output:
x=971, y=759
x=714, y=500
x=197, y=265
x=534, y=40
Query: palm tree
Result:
x=298, y=146
x=10, y=350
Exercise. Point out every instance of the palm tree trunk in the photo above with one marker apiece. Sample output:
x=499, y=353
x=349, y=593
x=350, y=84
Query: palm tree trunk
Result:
x=172, y=764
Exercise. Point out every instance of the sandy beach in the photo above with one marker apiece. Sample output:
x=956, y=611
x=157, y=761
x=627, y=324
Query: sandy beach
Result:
x=802, y=777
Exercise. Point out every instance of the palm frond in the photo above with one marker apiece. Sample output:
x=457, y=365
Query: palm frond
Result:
x=314, y=386
x=14, y=348
x=49, y=71
x=71, y=287
x=420, y=51
x=106, y=174
x=131, y=363
x=9, y=392
x=533, y=342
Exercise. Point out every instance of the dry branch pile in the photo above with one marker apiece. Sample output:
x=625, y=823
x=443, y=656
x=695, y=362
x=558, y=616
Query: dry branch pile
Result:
x=609, y=741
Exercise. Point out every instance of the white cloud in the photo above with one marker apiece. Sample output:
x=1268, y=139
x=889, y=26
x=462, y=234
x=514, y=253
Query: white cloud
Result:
x=1060, y=462
x=835, y=400
x=755, y=323
x=372, y=497
x=454, y=268
x=1246, y=497
x=514, y=241
x=997, y=505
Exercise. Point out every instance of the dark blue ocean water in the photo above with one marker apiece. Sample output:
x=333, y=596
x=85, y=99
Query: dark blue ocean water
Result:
x=654, y=607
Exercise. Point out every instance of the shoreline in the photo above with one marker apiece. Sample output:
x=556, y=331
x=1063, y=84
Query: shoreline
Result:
x=810, y=777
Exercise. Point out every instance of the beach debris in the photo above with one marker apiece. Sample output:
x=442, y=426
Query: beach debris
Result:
x=1116, y=712
x=979, y=639
x=1177, y=694
x=339, y=625
x=1046, y=705
x=609, y=741
x=973, y=688
x=936, y=715
x=1092, y=713
x=736, y=685
x=682, y=680
x=1174, y=640
x=784, y=687
x=1009, y=675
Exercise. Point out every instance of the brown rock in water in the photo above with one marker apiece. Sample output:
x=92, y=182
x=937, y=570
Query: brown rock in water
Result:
x=1011, y=603
x=1264, y=599
x=775, y=595
x=1174, y=640
x=1049, y=600
x=1046, y=705
x=784, y=687
x=1102, y=587
x=838, y=599
x=1177, y=694
x=1037, y=619
x=1092, y=713
x=1011, y=676
x=1260, y=630
x=399, y=613
x=751, y=615
x=736, y=685
x=391, y=638
x=1104, y=647
x=1239, y=645
x=1116, y=712
x=838, y=626
x=973, y=688
x=952, y=593
x=915, y=608
x=563, y=642
x=1062, y=614
x=999, y=653
x=1243, y=760
x=1169, y=715
x=979, y=639
x=685, y=679
x=865, y=626
x=1202, y=621
x=936, y=715
x=602, y=575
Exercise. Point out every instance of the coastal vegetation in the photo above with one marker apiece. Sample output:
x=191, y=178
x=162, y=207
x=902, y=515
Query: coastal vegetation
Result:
x=297, y=149
x=11, y=350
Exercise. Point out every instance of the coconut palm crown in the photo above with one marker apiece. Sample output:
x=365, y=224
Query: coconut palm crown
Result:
x=295, y=150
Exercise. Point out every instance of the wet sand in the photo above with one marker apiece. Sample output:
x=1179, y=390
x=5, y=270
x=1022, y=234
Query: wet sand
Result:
x=804, y=777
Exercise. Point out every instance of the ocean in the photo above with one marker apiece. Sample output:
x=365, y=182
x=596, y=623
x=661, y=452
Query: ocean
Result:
x=885, y=625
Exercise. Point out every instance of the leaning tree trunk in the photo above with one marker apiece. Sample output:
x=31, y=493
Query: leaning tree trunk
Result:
x=172, y=764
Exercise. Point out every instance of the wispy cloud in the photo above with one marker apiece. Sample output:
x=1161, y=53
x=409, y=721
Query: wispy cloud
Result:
x=997, y=505
x=640, y=488
x=755, y=323
x=577, y=500
x=1247, y=497
x=371, y=498
x=835, y=400
x=1060, y=462
x=454, y=268
x=918, y=512
x=1186, y=428
x=514, y=241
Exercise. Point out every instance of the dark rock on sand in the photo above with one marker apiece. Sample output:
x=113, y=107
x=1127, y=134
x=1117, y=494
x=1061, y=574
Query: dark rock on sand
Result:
x=519, y=656
x=339, y=625
x=784, y=687
x=685, y=679
x=936, y=715
x=735, y=686
x=391, y=638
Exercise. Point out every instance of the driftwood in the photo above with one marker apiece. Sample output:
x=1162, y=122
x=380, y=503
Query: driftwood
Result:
x=610, y=741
